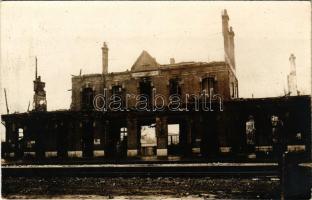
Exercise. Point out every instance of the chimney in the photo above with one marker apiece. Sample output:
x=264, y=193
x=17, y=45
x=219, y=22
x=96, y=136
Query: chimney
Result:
x=172, y=61
x=225, y=29
x=291, y=78
x=225, y=32
x=292, y=60
x=104, y=59
x=228, y=38
x=232, y=46
x=225, y=22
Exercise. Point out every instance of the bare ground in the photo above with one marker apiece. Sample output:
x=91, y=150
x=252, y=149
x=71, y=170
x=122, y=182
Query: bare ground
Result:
x=140, y=187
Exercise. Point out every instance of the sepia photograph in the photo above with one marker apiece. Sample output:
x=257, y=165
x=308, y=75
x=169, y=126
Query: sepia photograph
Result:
x=155, y=100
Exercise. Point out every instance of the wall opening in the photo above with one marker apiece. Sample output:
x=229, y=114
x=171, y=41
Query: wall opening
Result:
x=174, y=87
x=209, y=84
x=87, y=96
x=174, y=139
x=118, y=95
x=146, y=91
x=148, y=140
x=20, y=133
x=121, y=145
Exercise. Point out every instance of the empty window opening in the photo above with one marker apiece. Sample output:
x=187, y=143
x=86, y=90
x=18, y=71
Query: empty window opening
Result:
x=116, y=90
x=232, y=90
x=148, y=140
x=174, y=87
x=31, y=143
x=121, y=142
x=87, y=98
x=174, y=147
x=97, y=141
x=146, y=91
x=173, y=134
x=250, y=131
x=20, y=133
x=209, y=85
x=123, y=133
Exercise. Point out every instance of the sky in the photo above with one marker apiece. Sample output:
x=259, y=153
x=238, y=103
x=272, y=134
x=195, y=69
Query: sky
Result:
x=67, y=37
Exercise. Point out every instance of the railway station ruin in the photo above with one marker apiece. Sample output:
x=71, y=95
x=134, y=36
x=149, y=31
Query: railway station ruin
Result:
x=87, y=131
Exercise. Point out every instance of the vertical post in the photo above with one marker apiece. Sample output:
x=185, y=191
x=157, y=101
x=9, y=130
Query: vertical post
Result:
x=106, y=138
x=39, y=142
x=162, y=136
x=199, y=134
x=283, y=174
x=8, y=140
x=6, y=101
x=88, y=130
x=205, y=131
x=183, y=137
x=98, y=148
x=14, y=139
x=36, y=71
x=210, y=124
x=189, y=137
x=67, y=147
x=132, y=143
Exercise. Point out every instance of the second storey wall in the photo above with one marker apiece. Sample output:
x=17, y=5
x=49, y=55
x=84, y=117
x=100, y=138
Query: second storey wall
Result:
x=190, y=82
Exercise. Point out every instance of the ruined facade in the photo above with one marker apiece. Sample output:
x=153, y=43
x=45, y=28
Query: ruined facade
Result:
x=147, y=77
x=85, y=131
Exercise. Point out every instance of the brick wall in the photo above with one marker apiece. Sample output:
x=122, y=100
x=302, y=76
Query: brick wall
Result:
x=189, y=74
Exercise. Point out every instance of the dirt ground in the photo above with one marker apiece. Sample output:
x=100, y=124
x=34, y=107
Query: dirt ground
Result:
x=140, y=188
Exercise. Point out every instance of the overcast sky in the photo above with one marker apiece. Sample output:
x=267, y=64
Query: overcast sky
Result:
x=67, y=37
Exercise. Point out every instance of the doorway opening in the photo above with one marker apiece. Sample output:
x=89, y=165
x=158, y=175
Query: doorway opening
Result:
x=174, y=139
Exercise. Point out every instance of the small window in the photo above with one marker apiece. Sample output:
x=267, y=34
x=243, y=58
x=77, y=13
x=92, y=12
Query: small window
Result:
x=31, y=143
x=20, y=133
x=298, y=136
x=236, y=91
x=174, y=87
x=250, y=130
x=97, y=141
x=87, y=98
x=232, y=90
x=209, y=85
x=123, y=133
x=116, y=90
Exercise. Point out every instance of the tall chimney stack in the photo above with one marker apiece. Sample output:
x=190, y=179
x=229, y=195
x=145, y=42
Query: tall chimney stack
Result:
x=291, y=78
x=232, y=46
x=292, y=60
x=225, y=31
x=228, y=38
x=104, y=59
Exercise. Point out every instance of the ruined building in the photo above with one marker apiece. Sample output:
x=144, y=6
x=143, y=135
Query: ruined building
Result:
x=146, y=74
x=220, y=130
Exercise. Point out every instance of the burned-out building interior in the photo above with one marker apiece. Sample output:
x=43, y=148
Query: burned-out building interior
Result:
x=94, y=127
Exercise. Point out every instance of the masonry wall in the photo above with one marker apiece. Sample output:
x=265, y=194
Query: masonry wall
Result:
x=65, y=132
x=95, y=81
x=190, y=82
